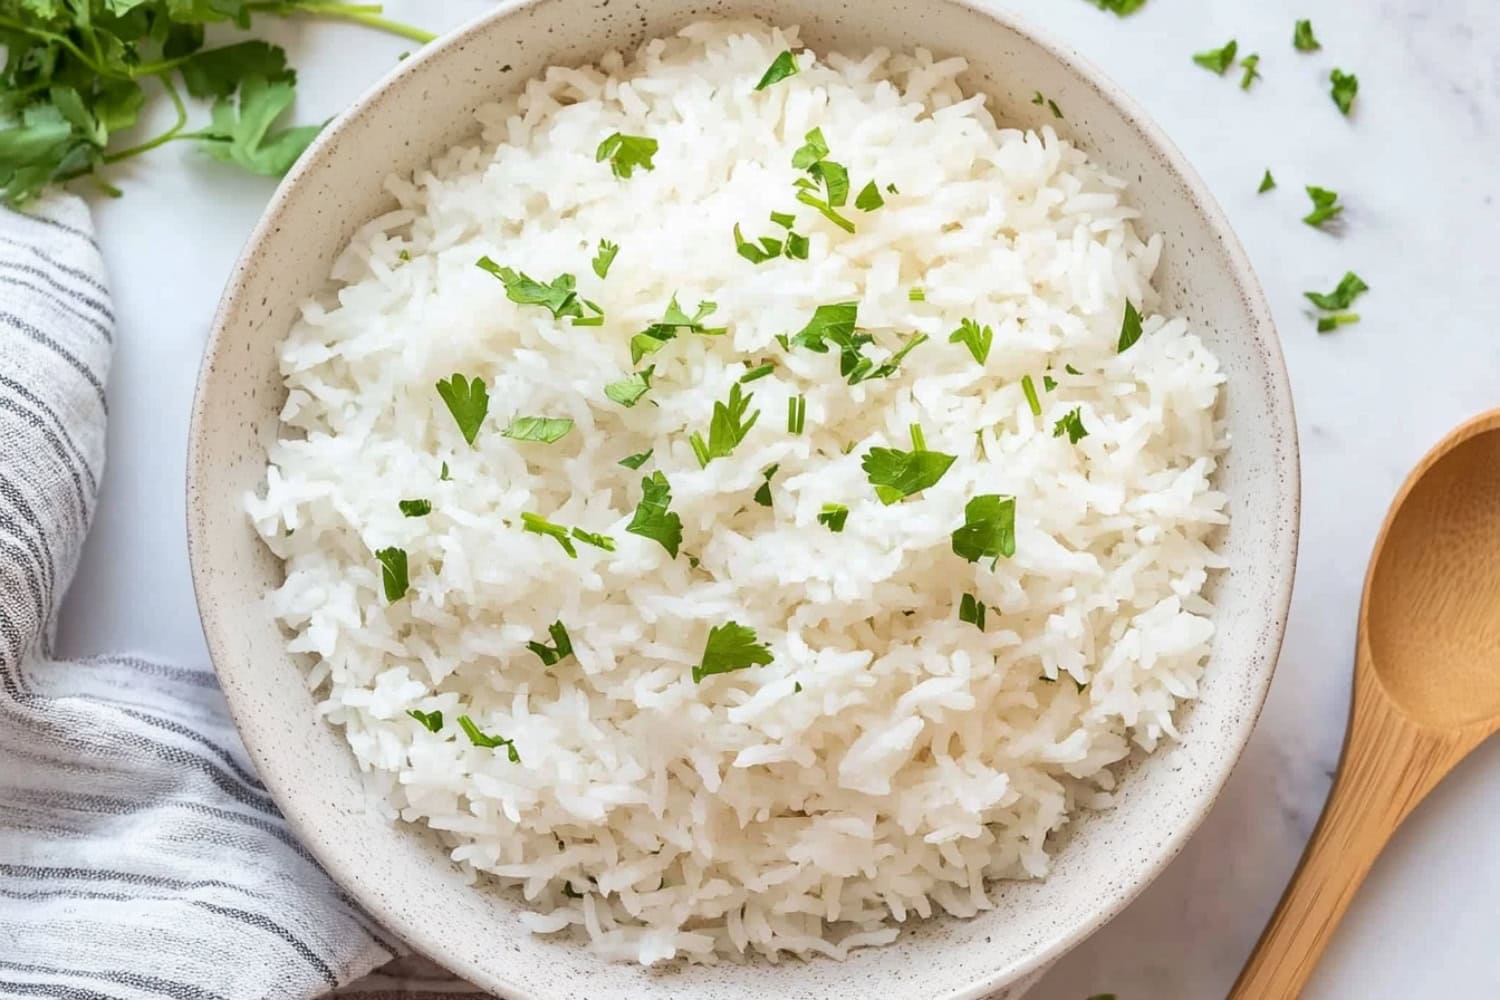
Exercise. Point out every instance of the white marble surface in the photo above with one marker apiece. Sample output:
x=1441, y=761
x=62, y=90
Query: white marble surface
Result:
x=1417, y=167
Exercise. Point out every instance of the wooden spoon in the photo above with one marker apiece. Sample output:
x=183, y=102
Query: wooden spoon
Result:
x=1426, y=691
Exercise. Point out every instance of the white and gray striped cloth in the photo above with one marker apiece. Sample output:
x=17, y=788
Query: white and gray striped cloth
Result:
x=139, y=855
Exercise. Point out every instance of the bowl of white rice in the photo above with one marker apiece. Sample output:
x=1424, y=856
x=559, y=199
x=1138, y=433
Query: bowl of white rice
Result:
x=788, y=499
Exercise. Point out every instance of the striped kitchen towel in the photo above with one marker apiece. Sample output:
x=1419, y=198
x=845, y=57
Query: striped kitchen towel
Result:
x=139, y=855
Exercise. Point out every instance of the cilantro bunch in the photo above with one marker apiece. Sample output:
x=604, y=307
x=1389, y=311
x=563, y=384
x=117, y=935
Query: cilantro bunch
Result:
x=77, y=73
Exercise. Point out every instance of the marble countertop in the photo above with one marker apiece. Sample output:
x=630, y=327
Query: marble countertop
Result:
x=1415, y=165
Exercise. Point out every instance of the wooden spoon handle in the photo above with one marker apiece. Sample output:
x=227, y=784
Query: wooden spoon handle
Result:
x=1389, y=765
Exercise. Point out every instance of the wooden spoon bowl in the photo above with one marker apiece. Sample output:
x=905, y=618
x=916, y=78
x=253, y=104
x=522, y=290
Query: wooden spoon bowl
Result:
x=1426, y=690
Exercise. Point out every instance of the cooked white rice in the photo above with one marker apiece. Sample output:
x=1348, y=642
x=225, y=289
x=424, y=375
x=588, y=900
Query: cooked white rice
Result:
x=892, y=761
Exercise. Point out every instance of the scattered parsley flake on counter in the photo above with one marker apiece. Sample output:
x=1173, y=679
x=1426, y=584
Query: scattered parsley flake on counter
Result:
x=1071, y=424
x=726, y=428
x=1350, y=287
x=625, y=153
x=868, y=199
x=605, y=257
x=393, y=573
x=972, y=611
x=560, y=297
x=897, y=474
x=976, y=338
x=479, y=739
x=763, y=495
x=783, y=66
x=596, y=540
x=989, y=528
x=547, y=430
x=768, y=249
x=833, y=516
x=432, y=720
x=538, y=525
x=730, y=647
x=415, y=508
x=1251, y=65
x=783, y=219
x=1267, y=183
x=1327, y=324
x=629, y=390
x=1130, y=328
x=561, y=648
x=757, y=373
x=1218, y=60
x=1034, y=402
x=468, y=400
x=638, y=459
x=1345, y=89
x=652, y=518
x=1303, y=39
x=796, y=414
x=1325, y=206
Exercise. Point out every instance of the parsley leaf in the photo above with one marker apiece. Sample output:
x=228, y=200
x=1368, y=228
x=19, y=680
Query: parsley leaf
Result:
x=560, y=297
x=538, y=525
x=547, y=430
x=1327, y=324
x=241, y=134
x=897, y=474
x=1267, y=183
x=432, y=720
x=784, y=219
x=783, y=66
x=561, y=648
x=652, y=518
x=835, y=178
x=1071, y=424
x=726, y=428
x=763, y=495
x=1350, y=287
x=1032, y=401
x=655, y=336
x=393, y=573
x=989, y=528
x=479, y=739
x=637, y=460
x=625, y=153
x=468, y=400
x=975, y=337
x=1325, y=206
x=217, y=72
x=629, y=390
x=1218, y=60
x=1345, y=90
x=605, y=257
x=972, y=611
x=812, y=150
x=1251, y=65
x=833, y=515
x=730, y=647
x=1303, y=39
x=830, y=322
x=869, y=198
x=769, y=248
x=796, y=246
x=415, y=508
x=1130, y=328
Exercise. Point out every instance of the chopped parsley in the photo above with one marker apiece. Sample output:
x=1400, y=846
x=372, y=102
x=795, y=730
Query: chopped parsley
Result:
x=547, y=430
x=796, y=246
x=1325, y=206
x=1032, y=400
x=443, y=476
x=726, y=428
x=629, y=390
x=917, y=295
x=1071, y=424
x=432, y=720
x=975, y=337
x=638, y=459
x=1345, y=89
x=468, y=400
x=811, y=156
x=836, y=324
x=1267, y=183
x=1350, y=287
x=1303, y=39
x=972, y=611
x=560, y=297
x=812, y=150
x=1041, y=100
x=1071, y=370
x=595, y=320
x=833, y=516
x=415, y=508
x=897, y=474
x=655, y=336
x=796, y=414
x=1327, y=324
x=561, y=648
x=479, y=739
x=538, y=525
x=393, y=573
x=757, y=373
x=405, y=256
x=989, y=528
x=784, y=219
x=763, y=495
x=605, y=257
x=1218, y=60
x=769, y=248
x=625, y=153
x=783, y=66
x=1120, y=8
x=1251, y=65
x=1048, y=383
x=869, y=199
x=596, y=540
x=1130, y=328
x=730, y=647
x=830, y=322
x=652, y=519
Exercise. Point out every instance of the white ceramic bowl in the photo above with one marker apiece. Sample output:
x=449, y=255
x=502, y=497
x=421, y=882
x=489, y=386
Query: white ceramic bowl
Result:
x=402, y=877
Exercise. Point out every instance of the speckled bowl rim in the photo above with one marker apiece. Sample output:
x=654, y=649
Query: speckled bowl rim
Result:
x=1278, y=389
